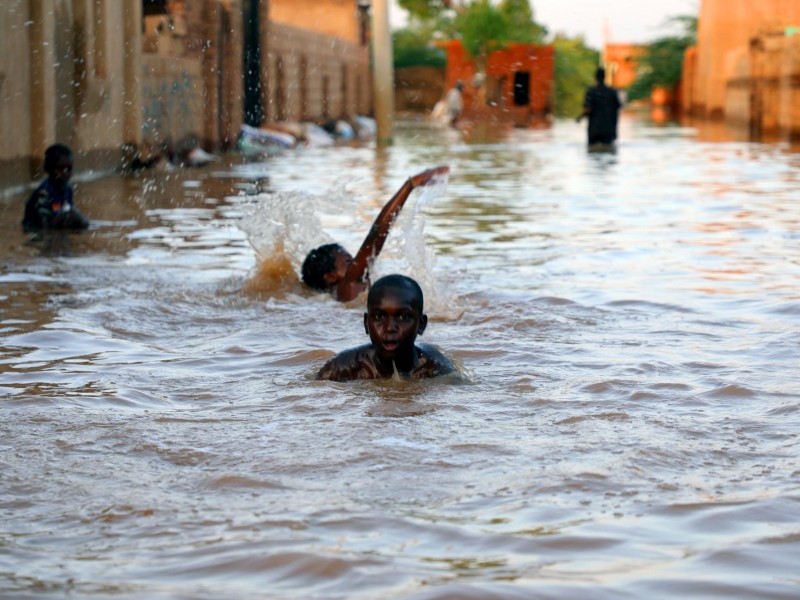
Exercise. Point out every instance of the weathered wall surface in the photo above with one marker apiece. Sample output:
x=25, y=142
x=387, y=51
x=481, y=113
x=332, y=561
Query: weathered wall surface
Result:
x=100, y=74
x=15, y=93
x=191, y=75
x=173, y=102
x=333, y=18
x=64, y=77
x=725, y=28
x=313, y=76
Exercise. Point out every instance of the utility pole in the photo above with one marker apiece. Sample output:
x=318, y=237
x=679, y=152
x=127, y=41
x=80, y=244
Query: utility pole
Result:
x=383, y=76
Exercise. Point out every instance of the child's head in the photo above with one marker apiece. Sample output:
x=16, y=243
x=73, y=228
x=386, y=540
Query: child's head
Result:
x=394, y=316
x=325, y=266
x=58, y=163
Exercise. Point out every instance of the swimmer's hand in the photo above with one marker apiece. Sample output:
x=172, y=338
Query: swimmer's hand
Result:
x=428, y=176
x=373, y=243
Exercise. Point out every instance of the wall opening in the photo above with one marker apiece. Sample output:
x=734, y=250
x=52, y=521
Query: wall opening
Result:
x=522, y=88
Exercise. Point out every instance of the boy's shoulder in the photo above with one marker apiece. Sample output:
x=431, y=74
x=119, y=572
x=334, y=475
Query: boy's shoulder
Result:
x=353, y=363
x=361, y=363
x=432, y=362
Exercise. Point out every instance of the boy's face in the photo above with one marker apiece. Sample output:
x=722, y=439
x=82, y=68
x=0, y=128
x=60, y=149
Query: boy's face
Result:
x=62, y=171
x=341, y=262
x=393, y=323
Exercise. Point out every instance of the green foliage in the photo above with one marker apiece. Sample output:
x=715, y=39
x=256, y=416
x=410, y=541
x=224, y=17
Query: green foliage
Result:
x=662, y=62
x=520, y=22
x=575, y=65
x=423, y=9
x=483, y=28
x=412, y=49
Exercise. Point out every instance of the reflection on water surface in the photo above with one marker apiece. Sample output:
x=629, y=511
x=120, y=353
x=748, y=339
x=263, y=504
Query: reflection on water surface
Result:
x=628, y=321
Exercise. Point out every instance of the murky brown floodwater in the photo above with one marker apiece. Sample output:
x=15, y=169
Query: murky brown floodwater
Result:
x=629, y=322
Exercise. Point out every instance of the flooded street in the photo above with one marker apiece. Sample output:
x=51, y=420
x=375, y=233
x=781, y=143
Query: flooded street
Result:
x=628, y=323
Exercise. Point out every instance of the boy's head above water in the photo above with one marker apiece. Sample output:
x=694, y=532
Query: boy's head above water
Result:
x=325, y=266
x=393, y=320
x=395, y=316
x=58, y=163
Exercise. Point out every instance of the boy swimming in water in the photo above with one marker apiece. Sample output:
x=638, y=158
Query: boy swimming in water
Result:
x=331, y=268
x=393, y=320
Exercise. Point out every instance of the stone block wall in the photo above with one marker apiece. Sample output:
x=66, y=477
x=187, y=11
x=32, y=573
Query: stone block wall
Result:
x=313, y=76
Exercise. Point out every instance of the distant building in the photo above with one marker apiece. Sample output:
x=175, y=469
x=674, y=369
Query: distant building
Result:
x=744, y=68
x=519, y=81
x=620, y=62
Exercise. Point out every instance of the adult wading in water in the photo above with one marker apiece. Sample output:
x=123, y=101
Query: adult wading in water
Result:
x=601, y=105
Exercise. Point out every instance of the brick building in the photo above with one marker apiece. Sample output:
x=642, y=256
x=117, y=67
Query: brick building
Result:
x=519, y=81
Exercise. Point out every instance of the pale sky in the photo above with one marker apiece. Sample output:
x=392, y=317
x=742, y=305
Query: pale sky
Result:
x=634, y=21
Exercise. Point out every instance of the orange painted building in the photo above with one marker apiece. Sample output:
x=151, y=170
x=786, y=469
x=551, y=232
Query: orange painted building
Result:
x=725, y=31
x=620, y=61
x=519, y=80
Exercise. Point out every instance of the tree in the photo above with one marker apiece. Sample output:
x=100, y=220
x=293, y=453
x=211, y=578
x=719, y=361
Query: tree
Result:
x=522, y=27
x=661, y=64
x=412, y=48
x=483, y=29
x=424, y=9
x=575, y=66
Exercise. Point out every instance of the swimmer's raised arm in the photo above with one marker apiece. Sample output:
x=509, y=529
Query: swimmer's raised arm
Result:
x=353, y=282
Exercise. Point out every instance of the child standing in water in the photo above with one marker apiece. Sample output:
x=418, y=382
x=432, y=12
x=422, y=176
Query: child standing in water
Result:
x=331, y=268
x=393, y=320
x=50, y=206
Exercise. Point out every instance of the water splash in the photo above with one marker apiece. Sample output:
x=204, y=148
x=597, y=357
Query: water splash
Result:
x=282, y=227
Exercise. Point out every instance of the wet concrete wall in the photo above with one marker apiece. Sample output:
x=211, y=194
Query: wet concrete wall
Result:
x=100, y=74
x=65, y=76
x=191, y=76
x=332, y=18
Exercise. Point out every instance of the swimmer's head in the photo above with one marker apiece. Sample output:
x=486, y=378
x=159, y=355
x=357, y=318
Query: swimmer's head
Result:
x=394, y=317
x=396, y=282
x=325, y=266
